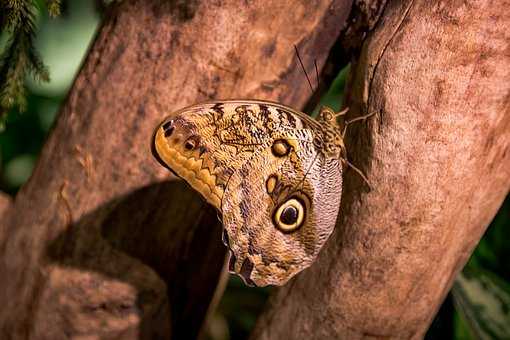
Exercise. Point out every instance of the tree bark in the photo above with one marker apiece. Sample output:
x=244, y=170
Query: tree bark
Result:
x=5, y=203
x=437, y=155
x=102, y=242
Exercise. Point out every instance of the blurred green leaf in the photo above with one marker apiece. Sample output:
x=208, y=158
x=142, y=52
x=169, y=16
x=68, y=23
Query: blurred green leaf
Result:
x=483, y=300
x=461, y=329
x=335, y=95
x=63, y=43
x=493, y=251
x=18, y=170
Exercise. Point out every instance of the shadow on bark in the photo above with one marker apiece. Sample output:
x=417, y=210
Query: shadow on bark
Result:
x=182, y=257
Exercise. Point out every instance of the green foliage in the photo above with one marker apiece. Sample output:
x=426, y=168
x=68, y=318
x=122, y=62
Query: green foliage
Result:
x=19, y=57
x=482, y=293
x=334, y=97
x=53, y=7
x=483, y=300
x=493, y=251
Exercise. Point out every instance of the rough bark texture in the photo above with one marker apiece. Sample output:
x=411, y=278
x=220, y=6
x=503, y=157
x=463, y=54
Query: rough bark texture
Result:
x=5, y=203
x=102, y=242
x=437, y=155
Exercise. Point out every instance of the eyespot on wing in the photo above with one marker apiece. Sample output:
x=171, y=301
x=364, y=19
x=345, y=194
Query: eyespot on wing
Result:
x=250, y=206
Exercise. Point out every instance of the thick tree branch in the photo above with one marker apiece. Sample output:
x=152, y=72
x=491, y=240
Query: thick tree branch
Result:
x=102, y=242
x=362, y=18
x=437, y=155
x=5, y=209
x=5, y=203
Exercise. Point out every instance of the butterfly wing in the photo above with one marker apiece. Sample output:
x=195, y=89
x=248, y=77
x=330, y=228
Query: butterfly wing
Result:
x=278, y=211
x=201, y=144
x=261, y=165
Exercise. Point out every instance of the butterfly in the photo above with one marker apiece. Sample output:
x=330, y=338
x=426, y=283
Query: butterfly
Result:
x=273, y=173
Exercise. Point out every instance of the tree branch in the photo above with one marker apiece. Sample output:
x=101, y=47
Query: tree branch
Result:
x=5, y=203
x=438, y=157
x=105, y=244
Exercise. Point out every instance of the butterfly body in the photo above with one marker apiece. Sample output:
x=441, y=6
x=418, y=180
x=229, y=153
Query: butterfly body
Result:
x=274, y=174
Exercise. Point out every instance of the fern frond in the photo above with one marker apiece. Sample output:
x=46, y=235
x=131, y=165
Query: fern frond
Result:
x=53, y=7
x=19, y=58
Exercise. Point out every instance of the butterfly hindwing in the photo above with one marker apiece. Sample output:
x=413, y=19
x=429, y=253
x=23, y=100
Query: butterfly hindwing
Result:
x=267, y=246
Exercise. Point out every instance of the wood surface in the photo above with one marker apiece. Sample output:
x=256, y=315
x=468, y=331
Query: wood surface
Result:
x=102, y=242
x=437, y=155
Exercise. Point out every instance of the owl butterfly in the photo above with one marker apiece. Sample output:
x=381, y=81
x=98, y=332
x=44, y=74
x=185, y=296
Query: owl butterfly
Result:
x=274, y=174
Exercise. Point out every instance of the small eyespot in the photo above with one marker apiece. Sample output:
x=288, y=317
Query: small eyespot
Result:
x=280, y=148
x=168, y=124
x=190, y=144
x=169, y=128
x=271, y=182
x=290, y=215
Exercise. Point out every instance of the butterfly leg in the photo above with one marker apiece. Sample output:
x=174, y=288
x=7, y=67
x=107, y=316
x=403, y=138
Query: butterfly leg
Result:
x=358, y=171
x=357, y=119
x=342, y=113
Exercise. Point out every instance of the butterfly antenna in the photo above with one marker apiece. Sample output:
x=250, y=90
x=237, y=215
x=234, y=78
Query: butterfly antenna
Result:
x=303, y=67
x=316, y=73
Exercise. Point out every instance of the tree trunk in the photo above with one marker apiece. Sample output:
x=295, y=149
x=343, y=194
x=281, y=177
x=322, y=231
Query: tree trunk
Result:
x=102, y=242
x=437, y=155
x=5, y=203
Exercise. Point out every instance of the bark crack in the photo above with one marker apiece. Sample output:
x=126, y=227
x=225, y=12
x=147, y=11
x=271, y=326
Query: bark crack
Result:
x=380, y=57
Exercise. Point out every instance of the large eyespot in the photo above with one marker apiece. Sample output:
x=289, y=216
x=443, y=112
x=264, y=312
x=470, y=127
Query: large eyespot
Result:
x=290, y=215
